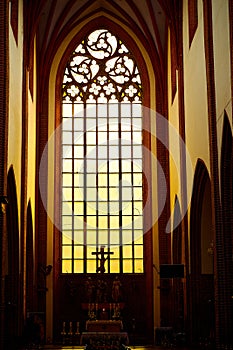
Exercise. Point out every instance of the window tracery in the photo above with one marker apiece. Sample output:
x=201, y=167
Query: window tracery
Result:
x=101, y=68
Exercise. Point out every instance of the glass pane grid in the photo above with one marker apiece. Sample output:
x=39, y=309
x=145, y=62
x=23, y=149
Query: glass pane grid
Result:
x=101, y=146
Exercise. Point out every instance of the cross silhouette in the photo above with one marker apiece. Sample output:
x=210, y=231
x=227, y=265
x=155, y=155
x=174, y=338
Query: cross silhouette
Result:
x=102, y=259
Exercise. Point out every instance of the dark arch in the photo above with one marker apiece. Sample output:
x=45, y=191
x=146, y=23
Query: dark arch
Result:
x=227, y=209
x=201, y=283
x=177, y=286
x=13, y=291
x=29, y=260
x=201, y=177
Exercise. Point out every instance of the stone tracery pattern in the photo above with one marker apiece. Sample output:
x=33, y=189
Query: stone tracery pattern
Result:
x=101, y=68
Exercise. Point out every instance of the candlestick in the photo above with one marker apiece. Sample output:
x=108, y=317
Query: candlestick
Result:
x=77, y=328
x=70, y=330
x=63, y=332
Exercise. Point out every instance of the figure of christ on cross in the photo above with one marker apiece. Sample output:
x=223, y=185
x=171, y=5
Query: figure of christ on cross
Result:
x=102, y=259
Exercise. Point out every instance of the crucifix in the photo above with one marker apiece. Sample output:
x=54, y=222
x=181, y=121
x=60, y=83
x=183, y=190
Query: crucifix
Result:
x=102, y=258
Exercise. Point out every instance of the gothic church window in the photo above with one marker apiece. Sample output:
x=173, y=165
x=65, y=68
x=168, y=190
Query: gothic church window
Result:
x=102, y=194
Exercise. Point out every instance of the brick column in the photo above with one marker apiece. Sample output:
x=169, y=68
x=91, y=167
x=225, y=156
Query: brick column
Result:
x=219, y=268
x=4, y=52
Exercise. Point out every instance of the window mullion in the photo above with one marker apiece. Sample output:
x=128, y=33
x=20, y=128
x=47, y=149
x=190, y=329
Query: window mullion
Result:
x=85, y=186
x=120, y=186
x=132, y=181
x=108, y=183
x=97, y=181
x=72, y=188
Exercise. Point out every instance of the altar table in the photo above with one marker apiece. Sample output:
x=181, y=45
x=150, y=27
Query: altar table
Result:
x=104, y=326
x=108, y=339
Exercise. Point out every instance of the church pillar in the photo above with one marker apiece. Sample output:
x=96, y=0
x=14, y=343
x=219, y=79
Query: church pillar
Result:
x=183, y=173
x=219, y=270
x=4, y=82
x=23, y=199
x=41, y=221
x=162, y=190
x=41, y=190
x=231, y=43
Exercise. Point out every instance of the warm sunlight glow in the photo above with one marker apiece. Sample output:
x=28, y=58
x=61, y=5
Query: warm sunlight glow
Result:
x=102, y=197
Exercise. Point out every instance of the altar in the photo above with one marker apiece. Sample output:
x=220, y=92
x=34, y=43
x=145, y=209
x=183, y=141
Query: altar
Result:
x=110, y=340
x=104, y=326
x=107, y=333
x=103, y=306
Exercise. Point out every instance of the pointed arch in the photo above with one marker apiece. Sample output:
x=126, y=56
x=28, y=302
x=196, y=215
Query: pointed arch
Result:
x=114, y=27
x=144, y=319
x=13, y=290
x=201, y=254
x=29, y=260
x=95, y=95
x=227, y=209
x=201, y=178
x=177, y=283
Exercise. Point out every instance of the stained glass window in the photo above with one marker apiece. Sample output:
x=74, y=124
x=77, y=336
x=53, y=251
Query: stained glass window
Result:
x=102, y=202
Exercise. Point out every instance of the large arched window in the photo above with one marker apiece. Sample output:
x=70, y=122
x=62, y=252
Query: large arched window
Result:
x=102, y=201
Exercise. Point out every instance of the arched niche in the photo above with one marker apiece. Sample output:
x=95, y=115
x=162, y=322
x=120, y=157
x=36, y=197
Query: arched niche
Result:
x=177, y=283
x=201, y=256
x=227, y=209
x=13, y=292
x=29, y=260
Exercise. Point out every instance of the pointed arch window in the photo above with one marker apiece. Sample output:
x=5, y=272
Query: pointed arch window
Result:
x=102, y=194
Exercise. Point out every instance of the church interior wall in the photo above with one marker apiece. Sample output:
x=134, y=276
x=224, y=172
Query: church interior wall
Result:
x=197, y=141
x=31, y=163
x=195, y=101
x=22, y=109
x=221, y=40
x=197, y=131
x=222, y=67
x=174, y=143
x=195, y=92
x=15, y=102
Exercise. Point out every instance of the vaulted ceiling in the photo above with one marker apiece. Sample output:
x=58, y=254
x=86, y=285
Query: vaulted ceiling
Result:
x=52, y=20
x=61, y=16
